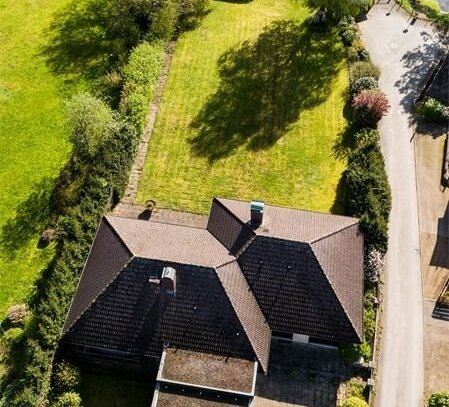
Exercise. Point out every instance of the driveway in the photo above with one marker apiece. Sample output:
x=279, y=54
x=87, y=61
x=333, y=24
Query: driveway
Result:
x=301, y=375
x=404, y=52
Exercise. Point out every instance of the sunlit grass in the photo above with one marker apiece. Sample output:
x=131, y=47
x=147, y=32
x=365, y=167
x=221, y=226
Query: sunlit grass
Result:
x=33, y=139
x=280, y=135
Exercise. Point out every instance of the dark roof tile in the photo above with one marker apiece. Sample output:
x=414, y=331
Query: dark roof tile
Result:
x=108, y=255
x=133, y=314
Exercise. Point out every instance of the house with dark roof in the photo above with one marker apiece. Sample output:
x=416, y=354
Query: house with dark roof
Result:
x=205, y=302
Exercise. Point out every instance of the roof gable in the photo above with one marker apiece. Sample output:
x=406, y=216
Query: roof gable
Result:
x=227, y=228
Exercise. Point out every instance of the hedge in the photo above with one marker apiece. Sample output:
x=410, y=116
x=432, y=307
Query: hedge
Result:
x=368, y=194
x=140, y=76
x=102, y=178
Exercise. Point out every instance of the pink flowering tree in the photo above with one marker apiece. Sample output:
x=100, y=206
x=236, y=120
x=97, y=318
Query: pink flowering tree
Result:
x=370, y=106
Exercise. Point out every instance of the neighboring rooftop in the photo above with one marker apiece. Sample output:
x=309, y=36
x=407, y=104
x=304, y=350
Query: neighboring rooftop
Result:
x=208, y=370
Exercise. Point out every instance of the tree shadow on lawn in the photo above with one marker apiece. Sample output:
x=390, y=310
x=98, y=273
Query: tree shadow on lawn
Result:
x=89, y=38
x=31, y=215
x=264, y=86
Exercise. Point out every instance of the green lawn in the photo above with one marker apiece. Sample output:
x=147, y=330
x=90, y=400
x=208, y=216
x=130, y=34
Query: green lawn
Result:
x=252, y=109
x=33, y=142
x=50, y=49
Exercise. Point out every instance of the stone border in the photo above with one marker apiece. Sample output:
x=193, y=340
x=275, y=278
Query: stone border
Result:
x=133, y=183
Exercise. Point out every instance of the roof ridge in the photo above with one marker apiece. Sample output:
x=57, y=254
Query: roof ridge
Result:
x=335, y=293
x=237, y=314
x=291, y=208
x=149, y=221
x=341, y=229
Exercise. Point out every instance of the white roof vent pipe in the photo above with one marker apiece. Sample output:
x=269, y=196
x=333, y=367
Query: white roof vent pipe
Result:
x=168, y=280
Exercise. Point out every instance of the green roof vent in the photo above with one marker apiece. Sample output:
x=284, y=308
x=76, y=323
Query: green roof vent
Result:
x=257, y=208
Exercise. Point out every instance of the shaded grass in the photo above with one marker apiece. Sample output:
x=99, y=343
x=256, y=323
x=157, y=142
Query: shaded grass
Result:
x=251, y=110
x=113, y=390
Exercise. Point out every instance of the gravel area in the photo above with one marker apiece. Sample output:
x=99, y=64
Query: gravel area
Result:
x=208, y=370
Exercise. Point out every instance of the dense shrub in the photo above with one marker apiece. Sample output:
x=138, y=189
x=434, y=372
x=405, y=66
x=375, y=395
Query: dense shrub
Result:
x=140, y=77
x=92, y=121
x=369, y=316
x=47, y=236
x=355, y=387
x=364, y=83
x=164, y=20
x=349, y=35
x=347, y=29
x=370, y=106
x=355, y=402
x=338, y=9
x=353, y=352
x=66, y=377
x=191, y=12
x=17, y=315
x=362, y=69
x=132, y=21
x=368, y=195
x=12, y=336
x=69, y=399
x=433, y=110
x=440, y=399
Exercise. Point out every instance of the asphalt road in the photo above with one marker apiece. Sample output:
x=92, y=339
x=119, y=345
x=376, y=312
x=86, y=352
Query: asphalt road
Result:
x=404, y=52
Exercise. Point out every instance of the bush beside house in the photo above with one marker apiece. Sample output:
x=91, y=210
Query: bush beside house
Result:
x=355, y=402
x=433, y=110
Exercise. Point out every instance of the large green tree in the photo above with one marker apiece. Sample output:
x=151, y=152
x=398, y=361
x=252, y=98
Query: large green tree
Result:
x=339, y=8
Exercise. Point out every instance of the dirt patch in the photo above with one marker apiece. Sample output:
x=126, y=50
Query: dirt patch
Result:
x=208, y=370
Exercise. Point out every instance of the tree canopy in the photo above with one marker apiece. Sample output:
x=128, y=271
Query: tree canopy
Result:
x=339, y=8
